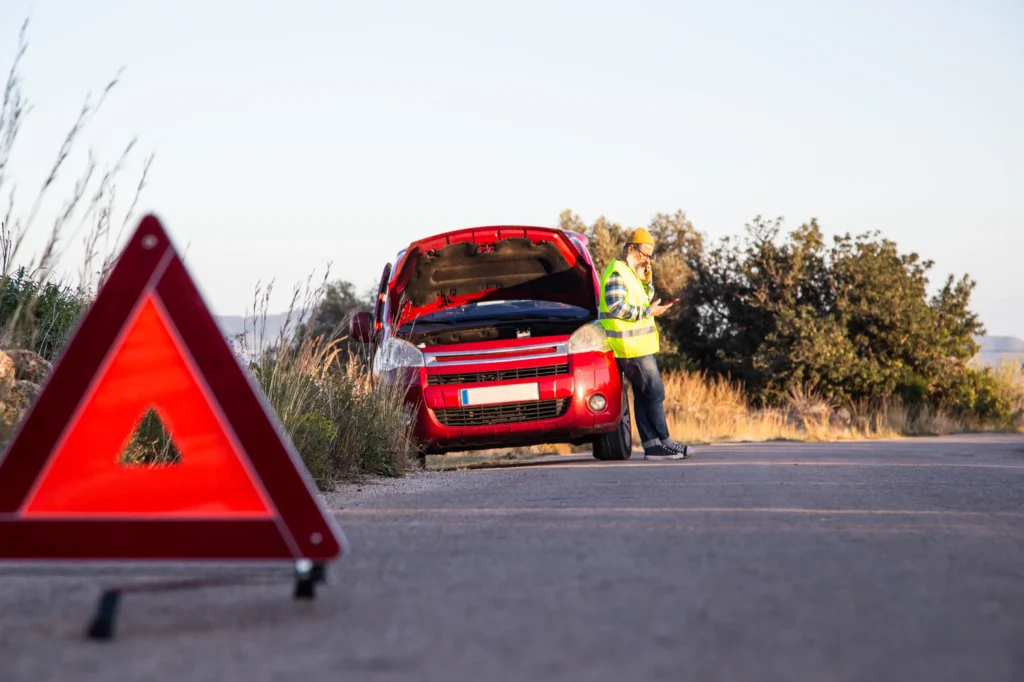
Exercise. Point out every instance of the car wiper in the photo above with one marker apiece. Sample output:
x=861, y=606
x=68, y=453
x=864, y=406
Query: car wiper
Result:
x=448, y=323
x=501, y=319
x=516, y=318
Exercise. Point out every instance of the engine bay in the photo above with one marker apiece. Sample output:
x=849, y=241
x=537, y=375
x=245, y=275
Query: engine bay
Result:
x=428, y=335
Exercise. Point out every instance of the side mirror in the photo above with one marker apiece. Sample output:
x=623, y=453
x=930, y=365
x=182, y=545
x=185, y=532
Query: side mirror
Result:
x=360, y=327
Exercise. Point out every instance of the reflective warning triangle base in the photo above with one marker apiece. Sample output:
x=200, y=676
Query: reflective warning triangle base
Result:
x=148, y=342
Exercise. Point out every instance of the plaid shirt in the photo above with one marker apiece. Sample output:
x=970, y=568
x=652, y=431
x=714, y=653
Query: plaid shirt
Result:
x=615, y=295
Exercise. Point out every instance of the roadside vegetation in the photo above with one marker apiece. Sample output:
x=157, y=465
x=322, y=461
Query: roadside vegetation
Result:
x=37, y=310
x=340, y=423
x=793, y=336
x=799, y=325
x=777, y=335
x=701, y=409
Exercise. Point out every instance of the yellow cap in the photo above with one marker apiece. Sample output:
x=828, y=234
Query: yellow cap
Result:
x=641, y=236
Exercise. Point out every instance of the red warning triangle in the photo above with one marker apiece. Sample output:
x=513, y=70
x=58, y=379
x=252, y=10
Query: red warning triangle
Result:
x=149, y=342
x=146, y=369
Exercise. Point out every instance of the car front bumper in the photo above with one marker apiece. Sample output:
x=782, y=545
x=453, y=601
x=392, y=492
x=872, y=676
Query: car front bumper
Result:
x=563, y=413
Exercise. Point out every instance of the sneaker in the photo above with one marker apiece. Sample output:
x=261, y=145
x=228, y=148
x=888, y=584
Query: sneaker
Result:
x=679, y=447
x=659, y=452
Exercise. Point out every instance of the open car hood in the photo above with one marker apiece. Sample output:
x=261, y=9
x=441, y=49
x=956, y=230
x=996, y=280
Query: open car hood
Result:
x=492, y=264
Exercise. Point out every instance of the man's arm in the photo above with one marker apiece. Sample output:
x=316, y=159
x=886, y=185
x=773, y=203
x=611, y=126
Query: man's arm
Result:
x=615, y=295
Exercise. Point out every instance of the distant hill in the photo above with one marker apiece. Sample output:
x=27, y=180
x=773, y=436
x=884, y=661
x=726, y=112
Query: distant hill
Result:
x=995, y=349
x=1001, y=344
x=233, y=325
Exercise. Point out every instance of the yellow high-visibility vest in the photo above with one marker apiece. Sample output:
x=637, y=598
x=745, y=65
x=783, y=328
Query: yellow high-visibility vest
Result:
x=627, y=338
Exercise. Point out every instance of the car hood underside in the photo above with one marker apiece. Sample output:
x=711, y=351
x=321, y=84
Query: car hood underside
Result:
x=509, y=268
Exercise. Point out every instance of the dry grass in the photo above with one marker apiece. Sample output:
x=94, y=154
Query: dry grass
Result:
x=37, y=312
x=702, y=410
x=150, y=445
x=1009, y=374
x=39, y=305
x=340, y=422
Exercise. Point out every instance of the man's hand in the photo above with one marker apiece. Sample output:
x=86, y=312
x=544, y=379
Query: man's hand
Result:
x=658, y=310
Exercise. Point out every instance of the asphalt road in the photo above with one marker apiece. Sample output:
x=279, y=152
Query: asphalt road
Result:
x=900, y=560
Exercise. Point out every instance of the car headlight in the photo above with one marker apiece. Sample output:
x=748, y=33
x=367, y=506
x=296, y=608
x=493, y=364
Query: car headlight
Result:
x=396, y=354
x=588, y=339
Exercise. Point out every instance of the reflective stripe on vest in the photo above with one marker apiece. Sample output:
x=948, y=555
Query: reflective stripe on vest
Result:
x=627, y=338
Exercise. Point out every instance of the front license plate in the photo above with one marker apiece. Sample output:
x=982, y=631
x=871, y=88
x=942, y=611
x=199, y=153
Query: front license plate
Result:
x=494, y=395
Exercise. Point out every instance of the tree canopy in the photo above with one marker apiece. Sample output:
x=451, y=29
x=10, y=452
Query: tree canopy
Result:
x=848, y=318
x=339, y=303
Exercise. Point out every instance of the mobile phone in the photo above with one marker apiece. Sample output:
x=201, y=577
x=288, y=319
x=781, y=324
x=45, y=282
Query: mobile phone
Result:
x=674, y=300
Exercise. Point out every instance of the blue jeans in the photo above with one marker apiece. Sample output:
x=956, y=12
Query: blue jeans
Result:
x=648, y=398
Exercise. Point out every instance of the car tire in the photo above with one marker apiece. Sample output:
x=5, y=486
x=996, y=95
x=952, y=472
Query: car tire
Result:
x=618, y=444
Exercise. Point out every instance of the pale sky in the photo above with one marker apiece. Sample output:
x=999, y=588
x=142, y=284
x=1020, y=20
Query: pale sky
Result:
x=292, y=134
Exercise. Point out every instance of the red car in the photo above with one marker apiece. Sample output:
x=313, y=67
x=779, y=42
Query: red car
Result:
x=495, y=331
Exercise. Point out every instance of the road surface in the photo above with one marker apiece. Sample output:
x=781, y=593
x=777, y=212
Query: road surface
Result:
x=897, y=560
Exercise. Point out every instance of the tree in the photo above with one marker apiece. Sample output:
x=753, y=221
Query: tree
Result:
x=850, y=322
x=605, y=239
x=749, y=305
x=333, y=312
x=674, y=236
x=340, y=302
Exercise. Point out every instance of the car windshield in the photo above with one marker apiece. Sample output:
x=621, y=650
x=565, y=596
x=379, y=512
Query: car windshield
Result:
x=488, y=310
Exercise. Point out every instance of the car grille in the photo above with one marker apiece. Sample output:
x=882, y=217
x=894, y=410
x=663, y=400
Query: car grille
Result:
x=509, y=413
x=497, y=375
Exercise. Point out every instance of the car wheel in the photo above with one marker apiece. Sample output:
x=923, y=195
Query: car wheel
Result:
x=619, y=443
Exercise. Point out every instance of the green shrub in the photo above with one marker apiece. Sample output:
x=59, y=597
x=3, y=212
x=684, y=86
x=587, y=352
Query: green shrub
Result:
x=315, y=438
x=988, y=404
x=39, y=317
x=914, y=390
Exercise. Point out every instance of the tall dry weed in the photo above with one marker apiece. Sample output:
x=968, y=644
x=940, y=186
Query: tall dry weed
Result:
x=702, y=409
x=342, y=424
x=39, y=304
x=1009, y=375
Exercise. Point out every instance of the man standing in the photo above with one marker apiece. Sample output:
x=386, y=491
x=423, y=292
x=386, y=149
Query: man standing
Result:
x=627, y=314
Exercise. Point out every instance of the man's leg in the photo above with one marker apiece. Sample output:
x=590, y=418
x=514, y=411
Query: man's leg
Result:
x=654, y=397
x=645, y=395
x=631, y=369
x=654, y=408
